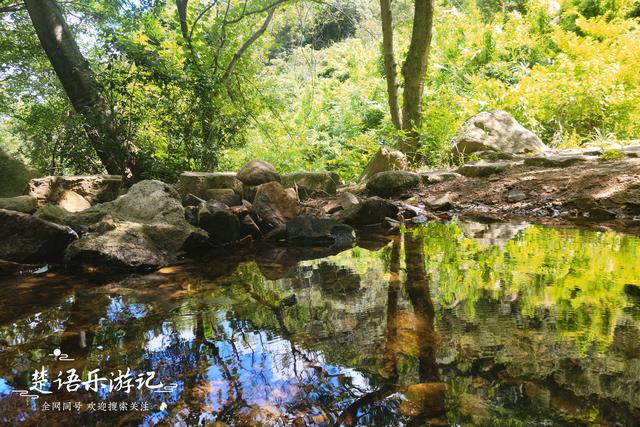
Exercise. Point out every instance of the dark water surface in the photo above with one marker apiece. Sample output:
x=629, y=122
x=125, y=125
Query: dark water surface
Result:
x=448, y=324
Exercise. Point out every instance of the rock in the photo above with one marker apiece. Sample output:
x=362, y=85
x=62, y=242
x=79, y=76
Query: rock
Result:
x=24, y=204
x=52, y=213
x=370, y=211
x=258, y=172
x=496, y=131
x=197, y=183
x=482, y=169
x=25, y=238
x=93, y=188
x=632, y=150
x=80, y=222
x=15, y=175
x=385, y=159
x=393, y=183
x=150, y=230
x=191, y=214
x=347, y=200
x=192, y=200
x=344, y=201
x=442, y=203
x=249, y=193
x=224, y=195
x=71, y=201
x=556, y=161
x=436, y=177
x=600, y=214
x=248, y=227
x=273, y=205
x=308, y=230
x=312, y=184
x=222, y=225
x=424, y=400
x=514, y=196
x=494, y=156
x=291, y=192
x=127, y=246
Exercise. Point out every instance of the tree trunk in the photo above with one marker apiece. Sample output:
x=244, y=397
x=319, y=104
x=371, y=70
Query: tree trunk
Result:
x=413, y=73
x=80, y=85
x=390, y=62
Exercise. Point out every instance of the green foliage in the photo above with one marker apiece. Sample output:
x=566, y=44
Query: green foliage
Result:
x=310, y=92
x=15, y=175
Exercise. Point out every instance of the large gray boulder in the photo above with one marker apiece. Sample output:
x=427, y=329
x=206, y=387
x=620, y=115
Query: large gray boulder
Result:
x=496, y=131
x=273, y=205
x=75, y=193
x=24, y=204
x=370, y=211
x=146, y=228
x=198, y=183
x=24, y=238
x=312, y=184
x=393, y=183
x=385, y=159
x=258, y=172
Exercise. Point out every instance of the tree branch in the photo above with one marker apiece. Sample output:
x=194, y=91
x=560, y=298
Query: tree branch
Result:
x=246, y=45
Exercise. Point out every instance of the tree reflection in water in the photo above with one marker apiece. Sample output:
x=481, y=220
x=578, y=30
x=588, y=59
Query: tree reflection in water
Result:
x=427, y=327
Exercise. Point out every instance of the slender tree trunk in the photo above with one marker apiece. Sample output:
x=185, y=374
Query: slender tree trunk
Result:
x=413, y=72
x=80, y=85
x=390, y=62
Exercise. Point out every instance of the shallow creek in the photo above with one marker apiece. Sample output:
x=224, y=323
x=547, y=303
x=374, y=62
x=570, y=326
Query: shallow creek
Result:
x=447, y=324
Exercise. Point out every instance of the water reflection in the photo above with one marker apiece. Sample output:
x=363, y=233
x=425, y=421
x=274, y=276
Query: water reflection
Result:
x=445, y=324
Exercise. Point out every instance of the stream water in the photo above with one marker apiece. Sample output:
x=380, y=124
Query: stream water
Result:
x=448, y=324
